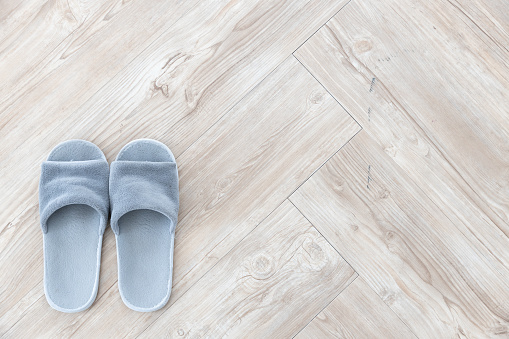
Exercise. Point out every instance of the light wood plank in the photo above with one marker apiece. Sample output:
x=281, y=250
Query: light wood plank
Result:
x=174, y=91
x=41, y=39
x=403, y=245
x=489, y=19
x=270, y=285
x=333, y=56
x=228, y=48
x=36, y=37
x=56, y=86
x=230, y=180
x=357, y=312
x=455, y=101
x=427, y=80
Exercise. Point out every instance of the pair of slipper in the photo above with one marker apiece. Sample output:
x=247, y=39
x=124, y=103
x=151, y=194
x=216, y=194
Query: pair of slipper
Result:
x=77, y=189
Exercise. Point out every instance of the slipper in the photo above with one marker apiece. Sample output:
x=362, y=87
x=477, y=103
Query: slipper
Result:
x=73, y=206
x=144, y=209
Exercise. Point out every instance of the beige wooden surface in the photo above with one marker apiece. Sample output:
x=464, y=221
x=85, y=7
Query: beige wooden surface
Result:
x=398, y=240
x=283, y=261
x=292, y=220
x=449, y=111
x=252, y=146
x=433, y=158
x=356, y=313
x=225, y=48
x=383, y=116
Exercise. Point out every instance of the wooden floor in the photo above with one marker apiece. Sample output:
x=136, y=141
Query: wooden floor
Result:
x=344, y=166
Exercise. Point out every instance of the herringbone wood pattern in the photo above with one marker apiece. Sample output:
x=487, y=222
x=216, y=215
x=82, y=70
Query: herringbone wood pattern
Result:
x=344, y=167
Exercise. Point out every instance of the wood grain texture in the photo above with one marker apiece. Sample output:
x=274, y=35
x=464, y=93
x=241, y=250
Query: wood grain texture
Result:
x=490, y=19
x=230, y=180
x=333, y=55
x=357, y=312
x=231, y=48
x=276, y=279
x=36, y=37
x=446, y=83
x=60, y=41
x=174, y=91
x=59, y=86
x=404, y=246
x=417, y=203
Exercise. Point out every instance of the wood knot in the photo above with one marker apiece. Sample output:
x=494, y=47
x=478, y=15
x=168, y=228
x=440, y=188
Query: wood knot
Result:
x=256, y=273
x=192, y=96
x=389, y=297
x=363, y=46
x=223, y=184
x=391, y=151
x=316, y=97
x=315, y=250
x=261, y=267
x=389, y=236
x=384, y=194
x=313, y=258
x=167, y=81
x=337, y=185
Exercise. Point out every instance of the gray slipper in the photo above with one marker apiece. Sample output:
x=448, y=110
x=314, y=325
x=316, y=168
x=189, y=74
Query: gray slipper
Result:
x=74, y=206
x=144, y=209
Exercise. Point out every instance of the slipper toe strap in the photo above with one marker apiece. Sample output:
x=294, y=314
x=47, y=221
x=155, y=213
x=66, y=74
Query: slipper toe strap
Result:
x=66, y=183
x=136, y=185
